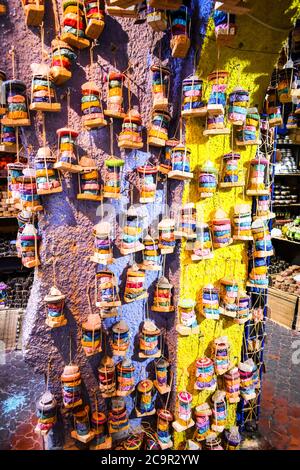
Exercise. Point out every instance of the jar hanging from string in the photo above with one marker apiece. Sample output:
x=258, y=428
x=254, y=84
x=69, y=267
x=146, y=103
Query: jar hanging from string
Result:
x=101, y=440
x=88, y=180
x=180, y=22
x=258, y=273
x=221, y=229
x=243, y=308
x=29, y=198
x=125, y=378
x=67, y=153
x=115, y=85
x=46, y=413
x=292, y=121
x=160, y=87
x=183, y=413
x=180, y=161
x=192, y=102
x=117, y=416
x=149, y=338
x=135, y=284
x=120, y=338
x=156, y=18
x=73, y=31
x=232, y=438
x=187, y=320
x=202, y=428
x=225, y=27
x=217, y=98
x=186, y=225
x=232, y=385
x=103, y=243
x=162, y=301
x=208, y=179
x=205, y=375
x=161, y=375
x=230, y=173
x=107, y=292
x=48, y=179
x=258, y=180
x=131, y=134
x=34, y=12
x=213, y=442
x=242, y=222
x=8, y=139
x=287, y=84
x=94, y=18
x=107, y=378
x=219, y=411
x=163, y=432
x=159, y=127
x=17, y=105
x=71, y=386
x=273, y=108
x=210, y=302
x=132, y=231
x=151, y=255
x=63, y=58
x=247, y=384
x=262, y=239
x=145, y=404
x=55, y=302
x=43, y=93
x=29, y=241
x=14, y=176
x=82, y=431
x=202, y=246
x=113, y=177
x=167, y=242
x=91, y=337
x=229, y=289
x=147, y=182
x=238, y=105
x=221, y=355
x=248, y=134
x=91, y=106
x=165, y=164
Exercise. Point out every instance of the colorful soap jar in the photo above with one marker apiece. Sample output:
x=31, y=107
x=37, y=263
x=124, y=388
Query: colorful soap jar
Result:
x=208, y=179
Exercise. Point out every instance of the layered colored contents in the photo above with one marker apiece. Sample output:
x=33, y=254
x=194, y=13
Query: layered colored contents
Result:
x=125, y=377
x=14, y=178
x=202, y=415
x=247, y=384
x=42, y=89
x=102, y=247
x=221, y=355
x=107, y=292
x=29, y=198
x=164, y=418
x=29, y=240
x=131, y=129
x=192, y=93
x=147, y=182
x=112, y=180
x=287, y=81
x=46, y=412
x=218, y=82
x=161, y=372
x=89, y=182
x=205, y=374
x=132, y=232
x=242, y=222
x=247, y=133
x=229, y=294
x=258, y=275
x=262, y=239
x=202, y=247
x=117, y=417
x=215, y=121
x=184, y=411
x=47, y=176
x=221, y=230
x=180, y=159
x=262, y=205
x=151, y=256
x=2, y=93
x=180, y=22
x=208, y=180
x=33, y=2
x=224, y=23
x=292, y=121
x=210, y=302
x=163, y=296
x=71, y=387
x=157, y=19
x=187, y=315
x=91, y=335
x=275, y=117
x=232, y=438
x=8, y=135
x=243, y=305
x=230, y=173
x=160, y=87
x=115, y=92
x=63, y=57
x=258, y=174
x=148, y=340
x=3, y=294
x=16, y=100
x=145, y=401
x=219, y=411
x=232, y=385
x=73, y=18
x=106, y=376
x=98, y=421
x=91, y=105
x=238, y=104
x=159, y=127
x=120, y=338
x=165, y=165
x=187, y=221
x=82, y=422
x=93, y=10
x=67, y=145
x=55, y=302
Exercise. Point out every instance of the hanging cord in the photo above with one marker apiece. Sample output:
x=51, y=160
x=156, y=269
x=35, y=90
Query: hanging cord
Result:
x=56, y=18
x=13, y=61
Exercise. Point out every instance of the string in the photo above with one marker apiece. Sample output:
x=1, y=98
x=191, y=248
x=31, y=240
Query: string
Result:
x=56, y=18
x=12, y=53
x=111, y=135
x=68, y=105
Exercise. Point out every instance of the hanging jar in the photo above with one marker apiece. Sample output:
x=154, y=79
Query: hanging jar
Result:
x=167, y=241
x=186, y=227
x=225, y=27
x=17, y=106
x=147, y=182
x=117, y=416
x=103, y=246
x=88, y=180
x=242, y=222
x=247, y=135
x=125, y=378
x=29, y=199
x=210, y=302
x=287, y=82
x=55, y=302
x=230, y=171
x=156, y=18
x=292, y=121
x=187, y=324
x=258, y=275
x=180, y=161
x=145, y=405
x=258, y=176
x=272, y=108
x=112, y=177
x=221, y=354
x=217, y=99
x=120, y=338
x=165, y=164
x=232, y=438
x=47, y=177
x=67, y=153
x=91, y=335
x=180, y=32
x=247, y=384
x=46, y=413
x=3, y=295
x=43, y=94
x=208, y=179
x=14, y=175
x=34, y=12
x=131, y=134
x=202, y=415
x=2, y=93
x=183, y=413
x=82, y=429
x=115, y=83
x=101, y=440
x=135, y=285
x=29, y=240
x=205, y=375
x=238, y=104
x=202, y=247
x=221, y=229
x=151, y=256
x=8, y=139
x=243, y=308
x=131, y=232
x=73, y=31
x=232, y=385
x=63, y=57
x=91, y=106
x=164, y=436
x=107, y=292
x=107, y=379
x=158, y=132
x=162, y=301
x=71, y=386
x=229, y=296
x=94, y=18
x=213, y=442
x=161, y=375
x=160, y=87
x=219, y=411
x=262, y=239
x=149, y=340
x=215, y=125
x=192, y=104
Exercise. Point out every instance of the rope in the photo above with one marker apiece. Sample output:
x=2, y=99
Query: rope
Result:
x=281, y=30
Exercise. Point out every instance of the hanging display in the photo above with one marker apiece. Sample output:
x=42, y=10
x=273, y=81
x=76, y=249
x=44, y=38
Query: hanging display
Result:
x=47, y=177
x=29, y=240
x=164, y=437
x=43, y=94
x=219, y=411
x=101, y=440
x=131, y=232
x=147, y=182
x=88, y=180
x=247, y=135
x=161, y=376
x=287, y=81
x=221, y=355
x=120, y=338
x=187, y=324
x=210, y=302
x=125, y=378
x=160, y=87
x=205, y=375
x=258, y=181
x=151, y=256
x=238, y=105
x=180, y=161
x=186, y=226
x=167, y=240
x=103, y=245
x=131, y=135
x=107, y=292
x=202, y=415
x=67, y=153
x=215, y=125
x=73, y=31
x=14, y=176
x=221, y=229
x=217, y=99
x=225, y=27
x=183, y=412
x=29, y=199
x=232, y=438
x=208, y=179
x=162, y=301
x=107, y=379
x=46, y=413
x=292, y=121
x=17, y=106
x=112, y=177
x=55, y=302
x=243, y=308
x=91, y=106
x=135, y=284
x=2, y=93
x=34, y=12
x=157, y=19
x=71, y=386
x=63, y=58
x=192, y=103
x=232, y=385
x=180, y=32
x=8, y=139
x=247, y=384
x=230, y=171
x=117, y=416
x=242, y=222
x=94, y=18
x=158, y=132
x=115, y=83
x=82, y=429
x=91, y=335
x=262, y=239
x=202, y=247
x=149, y=340
x=145, y=404
x=165, y=165
x=229, y=295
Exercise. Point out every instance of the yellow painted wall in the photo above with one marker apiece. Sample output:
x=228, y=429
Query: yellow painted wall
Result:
x=251, y=70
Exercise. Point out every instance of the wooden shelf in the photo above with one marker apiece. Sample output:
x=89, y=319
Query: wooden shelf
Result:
x=286, y=240
x=278, y=145
x=286, y=174
x=296, y=204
